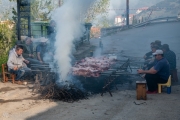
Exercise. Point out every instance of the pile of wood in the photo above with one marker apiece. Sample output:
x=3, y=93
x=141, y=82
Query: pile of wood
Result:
x=64, y=93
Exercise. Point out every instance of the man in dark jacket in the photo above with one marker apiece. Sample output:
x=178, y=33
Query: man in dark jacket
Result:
x=171, y=57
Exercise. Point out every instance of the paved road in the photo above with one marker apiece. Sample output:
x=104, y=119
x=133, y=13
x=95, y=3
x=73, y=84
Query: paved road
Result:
x=136, y=42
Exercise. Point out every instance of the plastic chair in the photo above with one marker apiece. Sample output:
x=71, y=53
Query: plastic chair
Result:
x=168, y=85
x=6, y=75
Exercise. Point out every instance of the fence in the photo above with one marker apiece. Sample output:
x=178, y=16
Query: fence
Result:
x=39, y=29
x=110, y=30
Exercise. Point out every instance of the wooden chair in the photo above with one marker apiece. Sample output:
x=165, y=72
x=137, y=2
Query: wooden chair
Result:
x=7, y=75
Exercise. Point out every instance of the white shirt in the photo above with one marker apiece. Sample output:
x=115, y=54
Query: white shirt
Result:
x=15, y=60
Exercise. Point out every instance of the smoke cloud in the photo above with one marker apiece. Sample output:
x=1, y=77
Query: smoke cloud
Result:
x=133, y=4
x=69, y=28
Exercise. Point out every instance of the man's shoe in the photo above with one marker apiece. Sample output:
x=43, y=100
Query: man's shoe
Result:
x=24, y=82
x=18, y=82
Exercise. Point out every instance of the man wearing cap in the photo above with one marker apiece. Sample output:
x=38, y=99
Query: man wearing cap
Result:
x=41, y=49
x=171, y=57
x=159, y=73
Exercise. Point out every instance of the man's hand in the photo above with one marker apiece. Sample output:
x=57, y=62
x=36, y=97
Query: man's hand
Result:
x=41, y=62
x=140, y=71
x=26, y=61
x=15, y=68
x=31, y=55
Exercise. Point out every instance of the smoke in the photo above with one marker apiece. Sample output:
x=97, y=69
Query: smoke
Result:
x=115, y=4
x=133, y=4
x=69, y=28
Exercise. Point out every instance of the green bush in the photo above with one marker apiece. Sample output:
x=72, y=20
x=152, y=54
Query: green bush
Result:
x=7, y=38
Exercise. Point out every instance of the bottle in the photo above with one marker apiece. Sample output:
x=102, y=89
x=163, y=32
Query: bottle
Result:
x=100, y=42
x=169, y=90
x=91, y=53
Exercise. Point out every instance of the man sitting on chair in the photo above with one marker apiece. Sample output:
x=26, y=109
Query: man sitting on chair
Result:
x=16, y=64
x=159, y=73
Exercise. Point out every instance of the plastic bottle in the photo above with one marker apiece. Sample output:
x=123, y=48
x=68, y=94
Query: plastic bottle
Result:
x=169, y=90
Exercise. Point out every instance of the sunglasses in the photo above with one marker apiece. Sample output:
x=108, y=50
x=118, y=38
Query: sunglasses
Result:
x=155, y=55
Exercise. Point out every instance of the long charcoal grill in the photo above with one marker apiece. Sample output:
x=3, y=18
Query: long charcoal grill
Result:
x=106, y=78
x=45, y=76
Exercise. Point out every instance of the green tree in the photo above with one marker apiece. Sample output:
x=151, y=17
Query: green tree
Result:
x=7, y=38
x=100, y=7
x=40, y=10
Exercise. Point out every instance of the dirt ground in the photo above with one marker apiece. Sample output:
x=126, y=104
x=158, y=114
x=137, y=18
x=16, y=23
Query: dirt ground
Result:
x=17, y=102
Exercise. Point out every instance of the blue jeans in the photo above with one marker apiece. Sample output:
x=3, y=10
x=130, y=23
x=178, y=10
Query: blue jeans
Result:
x=21, y=73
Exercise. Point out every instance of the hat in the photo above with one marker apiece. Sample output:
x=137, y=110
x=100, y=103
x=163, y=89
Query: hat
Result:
x=158, y=52
x=43, y=39
x=23, y=38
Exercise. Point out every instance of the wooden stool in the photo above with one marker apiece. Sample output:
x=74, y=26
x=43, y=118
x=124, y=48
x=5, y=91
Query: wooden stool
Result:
x=6, y=75
x=141, y=90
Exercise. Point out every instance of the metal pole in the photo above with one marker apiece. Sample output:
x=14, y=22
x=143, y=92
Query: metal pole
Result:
x=127, y=13
x=60, y=3
x=29, y=19
x=41, y=30
x=18, y=20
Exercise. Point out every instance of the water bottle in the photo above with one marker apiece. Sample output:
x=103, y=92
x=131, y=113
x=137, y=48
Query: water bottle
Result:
x=91, y=53
x=169, y=90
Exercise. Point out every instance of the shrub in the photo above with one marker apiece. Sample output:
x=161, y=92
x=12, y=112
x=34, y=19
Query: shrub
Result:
x=7, y=38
